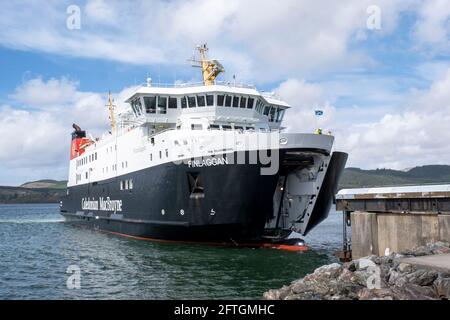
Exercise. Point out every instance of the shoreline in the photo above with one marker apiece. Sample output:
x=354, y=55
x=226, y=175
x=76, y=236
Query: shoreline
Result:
x=393, y=277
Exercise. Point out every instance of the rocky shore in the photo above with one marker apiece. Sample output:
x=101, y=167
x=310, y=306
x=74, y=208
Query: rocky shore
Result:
x=372, y=278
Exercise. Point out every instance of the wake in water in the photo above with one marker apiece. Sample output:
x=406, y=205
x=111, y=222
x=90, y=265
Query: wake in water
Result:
x=32, y=221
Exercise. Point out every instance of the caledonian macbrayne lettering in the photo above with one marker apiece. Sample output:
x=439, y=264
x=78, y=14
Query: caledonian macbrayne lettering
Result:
x=101, y=205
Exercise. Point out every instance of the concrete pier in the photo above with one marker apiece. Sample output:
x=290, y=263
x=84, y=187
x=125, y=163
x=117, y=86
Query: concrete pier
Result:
x=382, y=233
x=385, y=220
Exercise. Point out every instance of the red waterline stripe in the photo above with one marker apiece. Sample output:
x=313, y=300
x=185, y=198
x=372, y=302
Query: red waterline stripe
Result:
x=218, y=244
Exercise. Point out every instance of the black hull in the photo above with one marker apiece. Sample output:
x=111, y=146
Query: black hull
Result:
x=233, y=206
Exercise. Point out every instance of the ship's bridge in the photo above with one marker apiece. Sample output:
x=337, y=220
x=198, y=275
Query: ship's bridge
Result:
x=214, y=104
x=223, y=105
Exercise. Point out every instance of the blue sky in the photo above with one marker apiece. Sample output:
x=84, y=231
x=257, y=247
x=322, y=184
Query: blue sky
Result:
x=383, y=90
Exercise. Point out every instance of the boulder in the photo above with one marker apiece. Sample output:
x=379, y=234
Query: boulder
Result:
x=328, y=271
x=412, y=291
x=422, y=277
x=440, y=247
x=277, y=294
x=376, y=294
x=442, y=287
x=371, y=278
x=393, y=277
x=404, y=267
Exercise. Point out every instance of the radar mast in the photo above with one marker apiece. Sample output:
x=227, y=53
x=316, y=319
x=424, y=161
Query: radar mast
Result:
x=112, y=118
x=210, y=68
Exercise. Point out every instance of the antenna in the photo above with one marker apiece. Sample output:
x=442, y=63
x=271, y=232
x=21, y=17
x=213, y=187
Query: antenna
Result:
x=210, y=68
x=159, y=75
x=111, y=108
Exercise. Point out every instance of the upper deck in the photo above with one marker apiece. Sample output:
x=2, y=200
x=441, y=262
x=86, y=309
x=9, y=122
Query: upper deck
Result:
x=220, y=104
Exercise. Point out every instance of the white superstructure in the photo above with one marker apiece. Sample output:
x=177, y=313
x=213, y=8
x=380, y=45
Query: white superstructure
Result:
x=166, y=124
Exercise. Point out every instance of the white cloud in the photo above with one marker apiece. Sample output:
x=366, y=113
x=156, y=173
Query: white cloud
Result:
x=57, y=92
x=414, y=133
x=432, y=29
x=35, y=141
x=101, y=12
x=305, y=99
x=259, y=40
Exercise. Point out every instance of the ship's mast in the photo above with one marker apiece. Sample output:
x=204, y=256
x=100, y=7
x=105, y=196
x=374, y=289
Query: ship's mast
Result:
x=112, y=118
x=210, y=68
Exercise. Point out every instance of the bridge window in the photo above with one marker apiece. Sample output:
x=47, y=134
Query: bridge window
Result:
x=134, y=106
x=226, y=127
x=273, y=110
x=266, y=110
x=191, y=101
x=259, y=106
x=209, y=100
x=220, y=100
x=196, y=126
x=183, y=102
x=250, y=103
x=243, y=102
x=150, y=104
x=214, y=127
x=172, y=103
x=201, y=101
x=235, y=102
x=162, y=105
x=280, y=114
x=228, y=101
x=138, y=106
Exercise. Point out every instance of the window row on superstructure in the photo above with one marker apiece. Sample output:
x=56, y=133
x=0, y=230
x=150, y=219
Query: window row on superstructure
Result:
x=274, y=113
x=159, y=104
x=166, y=152
x=86, y=159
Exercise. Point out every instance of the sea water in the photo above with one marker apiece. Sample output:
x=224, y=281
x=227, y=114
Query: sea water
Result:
x=39, y=253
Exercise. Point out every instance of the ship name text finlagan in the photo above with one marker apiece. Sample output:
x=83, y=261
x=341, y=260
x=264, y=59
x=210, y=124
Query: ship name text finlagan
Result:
x=101, y=204
x=207, y=162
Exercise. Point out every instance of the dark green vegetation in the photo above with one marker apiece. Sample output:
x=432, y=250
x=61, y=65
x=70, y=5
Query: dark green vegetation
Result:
x=357, y=178
x=42, y=191
x=48, y=191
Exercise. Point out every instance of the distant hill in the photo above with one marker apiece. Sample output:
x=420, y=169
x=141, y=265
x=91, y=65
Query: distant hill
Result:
x=41, y=191
x=27, y=195
x=359, y=178
x=45, y=184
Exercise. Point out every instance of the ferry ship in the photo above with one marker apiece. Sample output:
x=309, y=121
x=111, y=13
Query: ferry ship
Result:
x=205, y=162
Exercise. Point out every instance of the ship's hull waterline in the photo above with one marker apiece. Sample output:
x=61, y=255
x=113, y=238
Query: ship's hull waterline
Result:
x=213, y=203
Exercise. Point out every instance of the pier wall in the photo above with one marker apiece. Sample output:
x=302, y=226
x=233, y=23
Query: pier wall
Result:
x=380, y=233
